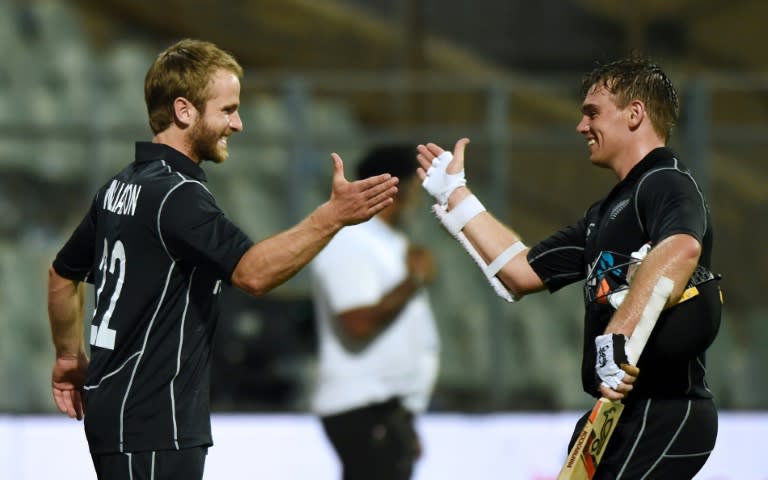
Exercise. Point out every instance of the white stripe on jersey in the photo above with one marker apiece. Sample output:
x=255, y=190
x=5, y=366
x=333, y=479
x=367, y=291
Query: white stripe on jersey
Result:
x=143, y=348
x=676, y=169
x=178, y=359
x=162, y=203
x=113, y=372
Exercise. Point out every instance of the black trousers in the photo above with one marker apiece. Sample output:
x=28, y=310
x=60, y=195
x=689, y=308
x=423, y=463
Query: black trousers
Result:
x=375, y=442
x=187, y=464
x=659, y=439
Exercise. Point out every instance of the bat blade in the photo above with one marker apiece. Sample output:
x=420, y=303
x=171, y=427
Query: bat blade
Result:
x=589, y=446
x=588, y=449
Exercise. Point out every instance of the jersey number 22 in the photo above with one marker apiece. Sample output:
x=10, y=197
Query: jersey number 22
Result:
x=101, y=335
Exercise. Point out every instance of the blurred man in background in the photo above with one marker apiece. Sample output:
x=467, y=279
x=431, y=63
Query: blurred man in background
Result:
x=157, y=247
x=669, y=424
x=378, y=343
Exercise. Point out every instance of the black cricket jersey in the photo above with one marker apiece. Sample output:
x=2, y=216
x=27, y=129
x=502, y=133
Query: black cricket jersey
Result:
x=657, y=199
x=156, y=247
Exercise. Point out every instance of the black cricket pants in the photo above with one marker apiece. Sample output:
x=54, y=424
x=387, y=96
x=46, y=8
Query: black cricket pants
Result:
x=658, y=439
x=375, y=442
x=187, y=464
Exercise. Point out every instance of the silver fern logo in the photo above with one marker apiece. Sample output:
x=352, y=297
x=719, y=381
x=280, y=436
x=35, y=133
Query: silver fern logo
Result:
x=618, y=208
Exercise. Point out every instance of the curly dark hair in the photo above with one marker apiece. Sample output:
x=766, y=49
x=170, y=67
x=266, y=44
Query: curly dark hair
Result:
x=642, y=79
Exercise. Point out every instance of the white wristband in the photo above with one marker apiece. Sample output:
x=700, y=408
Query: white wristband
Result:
x=461, y=214
x=503, y=258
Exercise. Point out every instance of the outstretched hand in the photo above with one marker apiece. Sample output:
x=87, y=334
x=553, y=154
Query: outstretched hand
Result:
x=438, y=178
x=358, y=201
x=430, y=151
x=67, y=382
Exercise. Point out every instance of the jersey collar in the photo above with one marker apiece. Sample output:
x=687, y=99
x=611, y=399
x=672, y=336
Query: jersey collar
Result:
x=150, y=152
x=650, y=161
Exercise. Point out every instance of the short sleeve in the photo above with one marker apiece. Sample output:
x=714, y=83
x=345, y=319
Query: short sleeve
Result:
x=559, y=259
x=75, y=259
x=669, y=202
x=194, y=229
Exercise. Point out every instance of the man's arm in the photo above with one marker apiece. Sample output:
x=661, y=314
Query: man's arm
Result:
x=362, y=324
x=676, y=258
x=276, y=259
x=65, y=313
x=488, y=235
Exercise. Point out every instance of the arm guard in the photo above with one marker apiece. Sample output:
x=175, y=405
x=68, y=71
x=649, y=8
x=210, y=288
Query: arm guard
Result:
x=441, y=213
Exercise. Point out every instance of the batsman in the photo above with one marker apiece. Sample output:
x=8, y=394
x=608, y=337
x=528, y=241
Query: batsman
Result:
x=653, y=225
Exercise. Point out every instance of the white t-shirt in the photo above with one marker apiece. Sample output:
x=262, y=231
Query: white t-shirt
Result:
x=360, y=265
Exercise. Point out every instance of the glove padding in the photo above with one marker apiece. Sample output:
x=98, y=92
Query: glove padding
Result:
x=611, y=353
x=438, y=182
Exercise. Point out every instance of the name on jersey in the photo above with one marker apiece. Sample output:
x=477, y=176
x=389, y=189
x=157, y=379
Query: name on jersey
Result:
x=121, y=198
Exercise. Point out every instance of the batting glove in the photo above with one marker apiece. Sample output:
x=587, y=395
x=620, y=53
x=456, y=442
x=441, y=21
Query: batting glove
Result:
x=611, y=353
x=439, y=183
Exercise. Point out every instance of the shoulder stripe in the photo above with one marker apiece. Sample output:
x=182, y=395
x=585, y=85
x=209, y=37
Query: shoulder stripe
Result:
x=162, y=204
x=676, y=168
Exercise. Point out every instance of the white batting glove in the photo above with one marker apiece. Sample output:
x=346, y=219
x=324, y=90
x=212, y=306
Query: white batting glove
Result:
x=438, y=182
x=611, y=353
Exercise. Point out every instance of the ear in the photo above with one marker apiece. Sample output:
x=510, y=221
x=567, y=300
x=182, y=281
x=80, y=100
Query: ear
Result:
x=636, y=110
x=184, y=111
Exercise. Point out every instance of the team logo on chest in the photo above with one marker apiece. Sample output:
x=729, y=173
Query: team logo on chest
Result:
x=616, y=210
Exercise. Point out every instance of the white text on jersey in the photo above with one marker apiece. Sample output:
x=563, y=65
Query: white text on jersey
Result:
x=122, y=198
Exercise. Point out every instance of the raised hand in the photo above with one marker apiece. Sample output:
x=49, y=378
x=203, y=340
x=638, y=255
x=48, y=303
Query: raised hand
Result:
x=356, y=202
x=441, y=172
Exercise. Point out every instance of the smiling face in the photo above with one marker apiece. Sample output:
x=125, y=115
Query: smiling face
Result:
x=220, y=119
x=605, y=126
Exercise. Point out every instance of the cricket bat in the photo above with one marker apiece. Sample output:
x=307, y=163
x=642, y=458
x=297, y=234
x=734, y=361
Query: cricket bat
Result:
x=588, y=449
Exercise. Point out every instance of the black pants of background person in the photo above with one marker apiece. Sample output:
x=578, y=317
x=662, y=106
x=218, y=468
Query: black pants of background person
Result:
x=375, y=442
x=659, y=439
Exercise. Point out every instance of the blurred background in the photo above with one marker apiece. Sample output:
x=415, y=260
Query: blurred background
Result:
x=340, y=75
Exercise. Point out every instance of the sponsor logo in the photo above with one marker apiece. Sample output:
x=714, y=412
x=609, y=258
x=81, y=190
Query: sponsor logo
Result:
x=602, y=358
x=600, y=439
x=577, y=448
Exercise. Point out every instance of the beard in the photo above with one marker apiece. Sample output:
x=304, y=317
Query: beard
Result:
x=205, y=143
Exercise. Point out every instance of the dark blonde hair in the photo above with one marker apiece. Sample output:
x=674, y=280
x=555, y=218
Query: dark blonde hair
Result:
x=184, y=70
x=638, y=78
